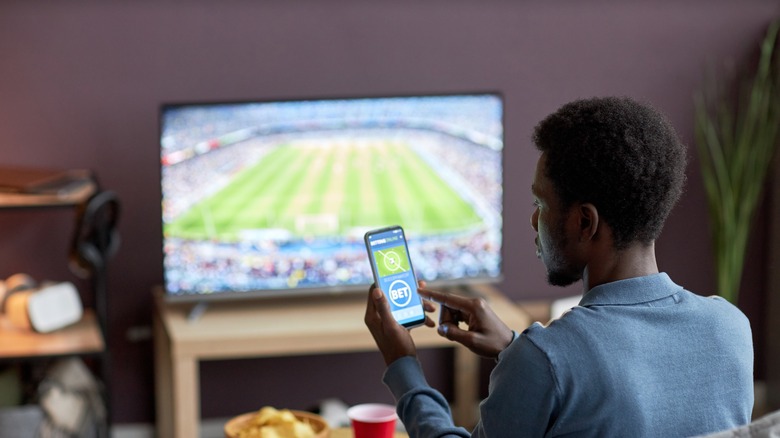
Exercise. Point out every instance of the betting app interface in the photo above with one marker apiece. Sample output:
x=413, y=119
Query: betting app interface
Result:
x=396, y=278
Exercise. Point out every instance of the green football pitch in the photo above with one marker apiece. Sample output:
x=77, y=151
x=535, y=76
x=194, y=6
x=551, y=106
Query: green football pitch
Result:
x=312, y=190
x=392, y=260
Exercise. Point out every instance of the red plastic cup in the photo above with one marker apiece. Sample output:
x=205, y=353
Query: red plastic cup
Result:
x=372, y=420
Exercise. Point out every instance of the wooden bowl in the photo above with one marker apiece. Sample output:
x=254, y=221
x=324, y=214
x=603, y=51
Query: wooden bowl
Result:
x=320, y=426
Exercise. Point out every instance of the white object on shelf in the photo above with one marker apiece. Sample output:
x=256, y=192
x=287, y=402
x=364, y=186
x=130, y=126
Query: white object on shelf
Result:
x=46, y=309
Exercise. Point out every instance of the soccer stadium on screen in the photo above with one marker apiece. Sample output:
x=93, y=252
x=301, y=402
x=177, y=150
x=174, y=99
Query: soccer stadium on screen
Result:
x=274, y=196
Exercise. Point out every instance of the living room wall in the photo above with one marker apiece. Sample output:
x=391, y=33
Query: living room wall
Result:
x=81, y=83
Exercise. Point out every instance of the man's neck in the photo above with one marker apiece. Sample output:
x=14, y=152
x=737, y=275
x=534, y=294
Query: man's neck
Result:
x=637, y=260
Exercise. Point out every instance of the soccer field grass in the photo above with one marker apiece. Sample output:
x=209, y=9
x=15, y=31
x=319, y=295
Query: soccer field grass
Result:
x=310, y=189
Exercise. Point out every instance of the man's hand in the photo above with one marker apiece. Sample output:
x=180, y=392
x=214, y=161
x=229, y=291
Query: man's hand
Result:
x=486, y=335
x=393, y=339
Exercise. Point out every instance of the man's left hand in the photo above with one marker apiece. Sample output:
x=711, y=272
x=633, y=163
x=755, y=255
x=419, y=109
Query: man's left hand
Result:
x=393, y=339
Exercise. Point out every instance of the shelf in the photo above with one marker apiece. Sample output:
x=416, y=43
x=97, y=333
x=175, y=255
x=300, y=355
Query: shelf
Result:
x=80, y=338
x=74, y=193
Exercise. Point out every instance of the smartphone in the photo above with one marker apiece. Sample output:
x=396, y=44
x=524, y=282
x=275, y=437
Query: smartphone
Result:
x=393, y=273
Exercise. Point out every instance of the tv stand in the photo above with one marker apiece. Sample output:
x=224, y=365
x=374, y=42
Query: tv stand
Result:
x=230, y=330
x=467, y=290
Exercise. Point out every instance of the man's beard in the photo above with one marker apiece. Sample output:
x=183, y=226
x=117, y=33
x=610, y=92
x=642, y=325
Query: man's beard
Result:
x=559, y=278
x=561, y=273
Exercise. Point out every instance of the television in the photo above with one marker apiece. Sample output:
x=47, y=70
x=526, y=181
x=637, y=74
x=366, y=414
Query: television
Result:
x=273, y=198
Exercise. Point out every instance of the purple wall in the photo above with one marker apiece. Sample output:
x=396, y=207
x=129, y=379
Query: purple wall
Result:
x=81, y=82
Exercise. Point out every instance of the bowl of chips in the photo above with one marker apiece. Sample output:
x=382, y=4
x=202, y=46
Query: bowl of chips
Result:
x=270, y=422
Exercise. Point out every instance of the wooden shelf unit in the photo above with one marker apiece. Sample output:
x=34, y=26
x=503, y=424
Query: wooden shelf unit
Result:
x=84, y=338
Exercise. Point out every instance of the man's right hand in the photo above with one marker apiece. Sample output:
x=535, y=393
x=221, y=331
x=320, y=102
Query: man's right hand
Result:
x=486, y=335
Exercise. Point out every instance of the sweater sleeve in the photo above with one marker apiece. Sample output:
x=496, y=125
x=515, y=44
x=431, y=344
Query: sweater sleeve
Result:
x=522, y=401
x=422, y=409
x=523, y=395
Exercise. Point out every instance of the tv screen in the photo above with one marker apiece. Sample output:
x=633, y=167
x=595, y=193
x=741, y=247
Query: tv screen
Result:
x=273, y=198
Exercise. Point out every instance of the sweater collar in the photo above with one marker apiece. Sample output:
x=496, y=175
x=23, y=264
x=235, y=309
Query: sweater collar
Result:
x=631, y=291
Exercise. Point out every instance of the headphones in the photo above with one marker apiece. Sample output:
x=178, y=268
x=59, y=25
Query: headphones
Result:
x=96, y=238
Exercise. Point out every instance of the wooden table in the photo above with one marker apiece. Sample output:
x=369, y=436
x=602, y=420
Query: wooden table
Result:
x=325, y=325
x=346, y=432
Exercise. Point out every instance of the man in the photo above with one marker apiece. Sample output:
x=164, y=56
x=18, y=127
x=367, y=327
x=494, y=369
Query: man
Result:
x=640, y=355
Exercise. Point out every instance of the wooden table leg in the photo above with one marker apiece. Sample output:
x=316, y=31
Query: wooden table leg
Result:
x=465, y=411
x=163, y=384
x=186, y=397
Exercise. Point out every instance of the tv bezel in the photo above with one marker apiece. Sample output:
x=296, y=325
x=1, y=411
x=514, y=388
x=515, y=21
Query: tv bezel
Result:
x=320, y=291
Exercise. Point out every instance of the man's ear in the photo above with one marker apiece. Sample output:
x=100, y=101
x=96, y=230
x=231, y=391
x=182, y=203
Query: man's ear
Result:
x=588, y=221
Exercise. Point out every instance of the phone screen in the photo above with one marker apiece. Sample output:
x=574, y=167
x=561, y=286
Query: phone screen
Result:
x=393, y=273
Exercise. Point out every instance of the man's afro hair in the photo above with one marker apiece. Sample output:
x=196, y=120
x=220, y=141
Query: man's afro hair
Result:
x=622, y=156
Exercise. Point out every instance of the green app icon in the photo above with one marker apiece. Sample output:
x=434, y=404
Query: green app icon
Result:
x=391, y=261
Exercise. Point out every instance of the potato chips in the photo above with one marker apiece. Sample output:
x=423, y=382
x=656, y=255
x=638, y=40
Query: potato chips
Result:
x=272, y=423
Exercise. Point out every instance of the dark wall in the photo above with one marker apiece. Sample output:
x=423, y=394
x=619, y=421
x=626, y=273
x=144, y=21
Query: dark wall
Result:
x=81, y=82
